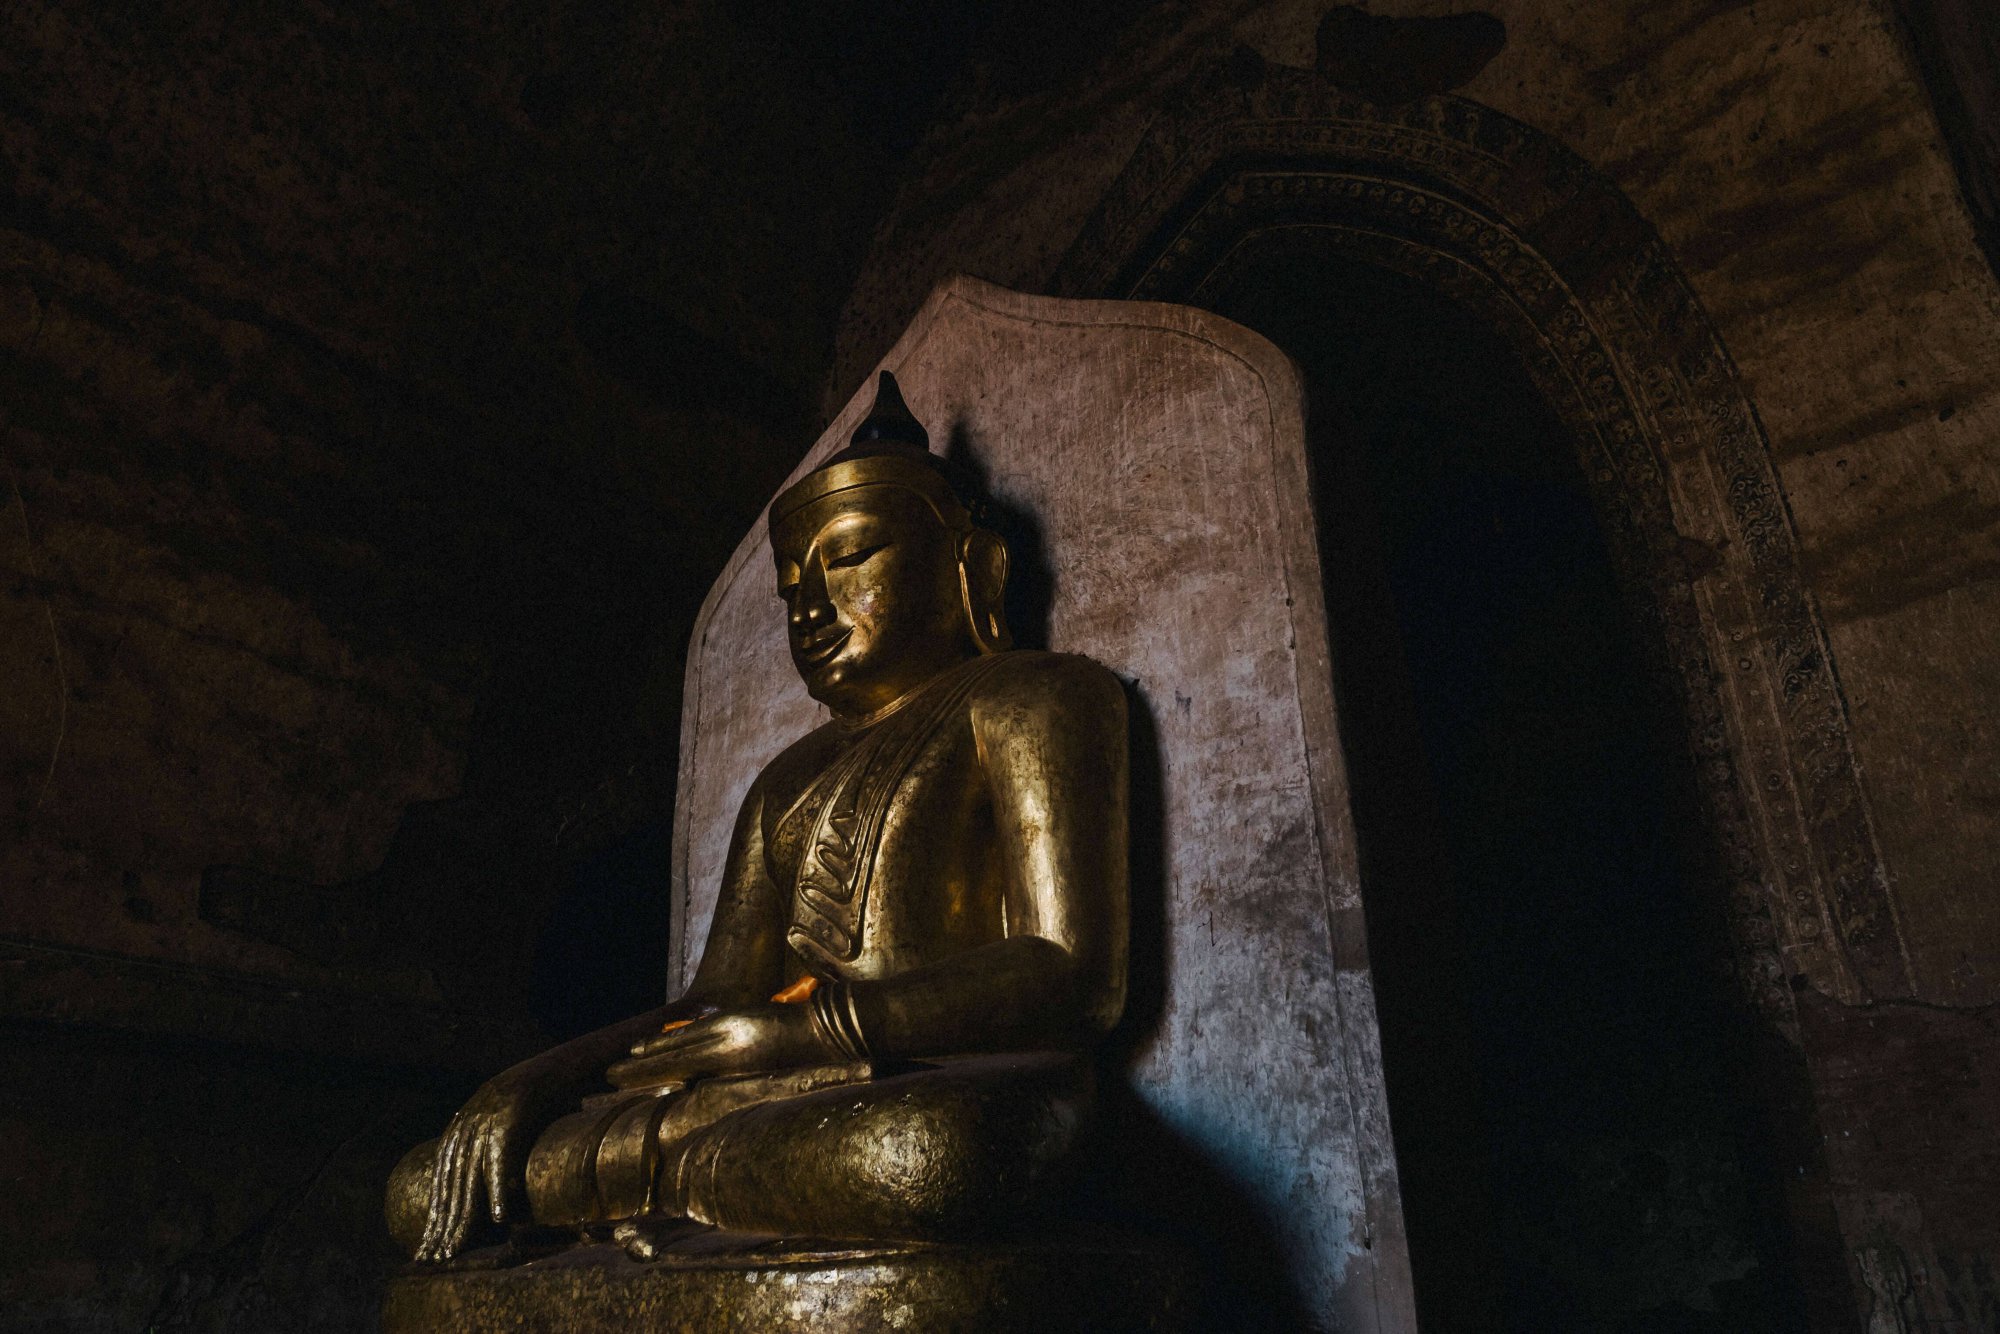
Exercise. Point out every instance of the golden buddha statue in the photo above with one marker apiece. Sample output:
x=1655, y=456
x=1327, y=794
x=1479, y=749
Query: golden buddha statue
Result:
x=921, y=927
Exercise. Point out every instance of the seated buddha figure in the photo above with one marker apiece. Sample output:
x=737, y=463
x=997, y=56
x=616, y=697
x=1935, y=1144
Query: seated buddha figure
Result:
x=921, y=925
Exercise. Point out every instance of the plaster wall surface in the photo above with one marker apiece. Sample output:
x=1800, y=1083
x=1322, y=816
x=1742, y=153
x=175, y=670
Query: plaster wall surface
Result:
x=1788, y=154
x=1160, y=455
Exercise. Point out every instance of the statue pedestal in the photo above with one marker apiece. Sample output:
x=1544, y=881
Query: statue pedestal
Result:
x=722, y=1283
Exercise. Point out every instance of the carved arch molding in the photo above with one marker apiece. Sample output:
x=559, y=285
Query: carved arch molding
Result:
x=1505, y=221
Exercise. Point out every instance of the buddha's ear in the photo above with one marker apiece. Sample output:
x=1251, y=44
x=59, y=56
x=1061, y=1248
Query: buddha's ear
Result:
x=982, y=579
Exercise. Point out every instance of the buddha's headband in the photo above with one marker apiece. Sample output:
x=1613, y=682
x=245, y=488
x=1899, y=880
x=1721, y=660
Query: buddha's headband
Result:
x=874, y=470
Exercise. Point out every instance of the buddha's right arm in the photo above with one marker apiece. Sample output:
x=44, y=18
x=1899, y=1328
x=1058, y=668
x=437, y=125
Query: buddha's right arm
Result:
x=742, y=962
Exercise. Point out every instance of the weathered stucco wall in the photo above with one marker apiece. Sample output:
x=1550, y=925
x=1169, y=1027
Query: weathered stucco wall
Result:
x=376, y=386
x=336, y=387
x=1788, y=155
x=379, y=389
x=1158, y=455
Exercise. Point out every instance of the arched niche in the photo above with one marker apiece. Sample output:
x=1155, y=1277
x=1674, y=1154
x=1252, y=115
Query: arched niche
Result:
x=1507, y=223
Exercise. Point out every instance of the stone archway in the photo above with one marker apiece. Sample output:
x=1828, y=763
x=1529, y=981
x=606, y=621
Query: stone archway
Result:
x=1506, y=222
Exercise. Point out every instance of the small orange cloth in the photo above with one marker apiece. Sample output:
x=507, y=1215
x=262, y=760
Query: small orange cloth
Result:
x=798, y=991
x=791, y=995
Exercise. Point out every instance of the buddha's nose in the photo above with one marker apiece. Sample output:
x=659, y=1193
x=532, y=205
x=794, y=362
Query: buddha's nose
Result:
x=810, y=607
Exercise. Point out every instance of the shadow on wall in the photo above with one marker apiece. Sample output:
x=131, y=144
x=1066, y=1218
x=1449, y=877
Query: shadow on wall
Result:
x=1148, y=1177
x=1575, y=1132
x=1141, y=1175
x=1031, y=579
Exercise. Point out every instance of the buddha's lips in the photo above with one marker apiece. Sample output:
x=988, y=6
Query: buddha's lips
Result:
x=818, y=652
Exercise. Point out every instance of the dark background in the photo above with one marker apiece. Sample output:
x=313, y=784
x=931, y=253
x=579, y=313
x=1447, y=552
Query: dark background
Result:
x=382, y=386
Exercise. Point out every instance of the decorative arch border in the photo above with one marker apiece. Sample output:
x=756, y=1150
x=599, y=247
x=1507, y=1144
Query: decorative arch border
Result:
x=1504, y=220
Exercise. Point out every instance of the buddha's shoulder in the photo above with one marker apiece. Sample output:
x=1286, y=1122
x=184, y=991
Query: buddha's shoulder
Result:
x=1055, y=684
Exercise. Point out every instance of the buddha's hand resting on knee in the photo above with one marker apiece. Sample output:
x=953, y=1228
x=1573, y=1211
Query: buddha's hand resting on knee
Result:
x=750, y=1040
x=485, y=1146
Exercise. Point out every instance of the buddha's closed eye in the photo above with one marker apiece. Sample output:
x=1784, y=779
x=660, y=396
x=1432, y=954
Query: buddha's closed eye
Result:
x=857, y=557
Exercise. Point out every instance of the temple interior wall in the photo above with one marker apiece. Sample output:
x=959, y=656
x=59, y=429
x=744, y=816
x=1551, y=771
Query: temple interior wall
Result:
x=1792, y=158
x=336, y=489
x=1863, y=327
x=383, y=386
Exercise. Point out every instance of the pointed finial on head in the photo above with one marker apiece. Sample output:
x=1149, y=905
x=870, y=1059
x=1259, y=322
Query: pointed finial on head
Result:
x=890, y=446
x=890, y=419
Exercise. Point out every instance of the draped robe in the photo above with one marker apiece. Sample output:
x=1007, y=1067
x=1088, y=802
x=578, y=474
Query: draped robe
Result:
x=875, y=853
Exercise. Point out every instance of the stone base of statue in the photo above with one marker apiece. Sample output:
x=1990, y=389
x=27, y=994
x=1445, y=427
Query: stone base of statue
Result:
x=676, y=1278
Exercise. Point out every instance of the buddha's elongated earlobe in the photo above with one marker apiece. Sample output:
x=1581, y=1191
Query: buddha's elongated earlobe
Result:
x=982, y=582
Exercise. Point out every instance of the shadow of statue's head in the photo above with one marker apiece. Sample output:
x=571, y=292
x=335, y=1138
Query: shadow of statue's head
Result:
x=1031, y=580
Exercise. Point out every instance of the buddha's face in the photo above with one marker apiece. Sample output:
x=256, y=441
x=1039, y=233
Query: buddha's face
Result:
x=869, y=578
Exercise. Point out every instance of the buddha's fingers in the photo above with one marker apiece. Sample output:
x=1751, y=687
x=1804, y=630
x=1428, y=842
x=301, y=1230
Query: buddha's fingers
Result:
x=678, y=1042
x=658, y=1068
x=496, y=1195
x=439, y=1193
x=447, y=1199
x=465, y=1182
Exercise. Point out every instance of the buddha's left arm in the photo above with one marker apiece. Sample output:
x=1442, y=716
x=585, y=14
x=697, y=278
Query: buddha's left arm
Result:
x=1053, y=747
